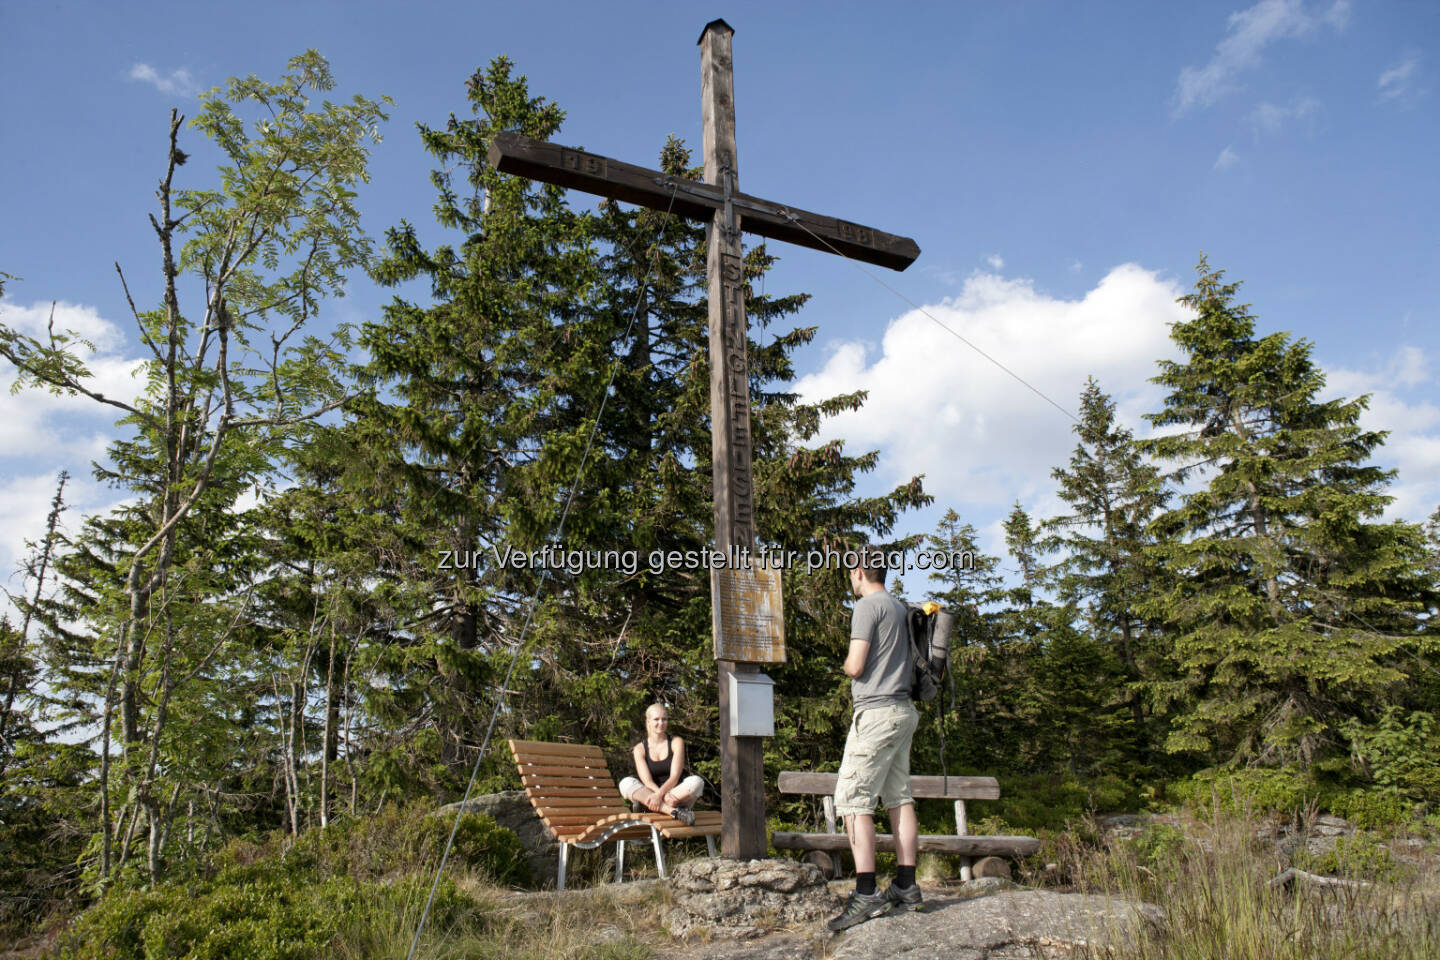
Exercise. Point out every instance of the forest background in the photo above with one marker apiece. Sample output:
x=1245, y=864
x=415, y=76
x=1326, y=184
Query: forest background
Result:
x=262, y=634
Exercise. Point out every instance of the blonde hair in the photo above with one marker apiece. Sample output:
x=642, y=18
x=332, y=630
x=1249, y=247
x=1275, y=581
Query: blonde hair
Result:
x=657, y=705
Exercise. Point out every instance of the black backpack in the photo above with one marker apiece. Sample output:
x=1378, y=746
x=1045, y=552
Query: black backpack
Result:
x=931, y=630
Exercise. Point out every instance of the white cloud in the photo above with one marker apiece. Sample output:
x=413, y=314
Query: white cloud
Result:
x=78, y=319
x=982, y=439
x=1409, y=367
x=1398, y=81
x=996, y=261
x=37, y=423
x=42, y=433
x=1270, y=118
x=1248, y=33
x=1227, y=159
x=1413, y=447
x=175, y=83
x=24, y=507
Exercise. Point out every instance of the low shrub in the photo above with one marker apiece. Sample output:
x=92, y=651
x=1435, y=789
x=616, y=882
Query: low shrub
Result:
x=480, y=843
x=1158, y=844
x=1046, y=802
x=1373, y=809
x=274, y=898
x=1250, y=792
x=254, y=912
x=1361, y=857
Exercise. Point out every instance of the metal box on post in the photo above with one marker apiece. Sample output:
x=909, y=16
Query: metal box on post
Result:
x=752, y=705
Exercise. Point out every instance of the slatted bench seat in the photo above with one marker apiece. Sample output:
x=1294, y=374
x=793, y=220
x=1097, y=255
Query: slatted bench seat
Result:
x=967, y=845
x=572, y=792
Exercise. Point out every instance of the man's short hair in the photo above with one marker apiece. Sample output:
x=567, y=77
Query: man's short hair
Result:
x=872, y=563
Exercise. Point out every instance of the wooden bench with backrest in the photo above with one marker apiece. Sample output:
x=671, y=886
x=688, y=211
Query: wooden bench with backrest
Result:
x=834, y=842
x=571, y=789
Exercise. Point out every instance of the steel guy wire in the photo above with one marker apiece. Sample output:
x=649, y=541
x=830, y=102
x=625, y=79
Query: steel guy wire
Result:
x=950, y=330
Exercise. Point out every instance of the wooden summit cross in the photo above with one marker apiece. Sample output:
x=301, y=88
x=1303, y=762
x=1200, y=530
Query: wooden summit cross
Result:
x=720, y=201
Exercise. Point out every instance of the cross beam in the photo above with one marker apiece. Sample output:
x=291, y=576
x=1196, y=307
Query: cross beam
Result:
x=719, y=200
x=569, y=167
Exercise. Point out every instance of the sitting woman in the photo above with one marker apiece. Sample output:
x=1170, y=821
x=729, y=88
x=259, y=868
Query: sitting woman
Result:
x=660, y=764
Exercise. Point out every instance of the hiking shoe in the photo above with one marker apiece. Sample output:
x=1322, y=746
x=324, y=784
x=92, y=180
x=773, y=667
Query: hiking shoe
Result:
x=859, y=908
x=685, y=815
x=905, y=898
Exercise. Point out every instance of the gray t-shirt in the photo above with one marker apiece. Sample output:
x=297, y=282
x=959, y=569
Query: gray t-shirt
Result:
x=888, y=673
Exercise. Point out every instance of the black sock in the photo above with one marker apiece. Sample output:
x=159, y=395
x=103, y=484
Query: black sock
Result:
x=865, y=883
x=905, y=876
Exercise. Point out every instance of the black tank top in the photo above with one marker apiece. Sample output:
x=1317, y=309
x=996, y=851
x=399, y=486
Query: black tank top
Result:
x=659, y=769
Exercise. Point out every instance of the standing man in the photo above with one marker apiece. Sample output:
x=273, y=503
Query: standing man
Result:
x=877, y=750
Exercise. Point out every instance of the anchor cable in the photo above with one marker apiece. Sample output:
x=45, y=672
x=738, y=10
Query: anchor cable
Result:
x=950, y=330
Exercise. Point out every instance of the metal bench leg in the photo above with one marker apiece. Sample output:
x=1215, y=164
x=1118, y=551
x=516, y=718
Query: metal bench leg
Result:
x=564, y=856
x=619, y=861
x=659, y=852
x=710, y=844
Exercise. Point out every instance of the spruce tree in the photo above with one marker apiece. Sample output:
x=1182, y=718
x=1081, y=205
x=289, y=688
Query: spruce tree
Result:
x=1114, y=492
x=464, y=387
x=1289, y=606
x=559, y=338
x=979, y=718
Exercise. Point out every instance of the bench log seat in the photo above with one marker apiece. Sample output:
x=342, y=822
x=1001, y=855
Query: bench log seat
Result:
x=573, y=794
x=963, y=843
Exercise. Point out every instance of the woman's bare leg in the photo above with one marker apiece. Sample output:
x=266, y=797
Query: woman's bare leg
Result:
x=643, y=795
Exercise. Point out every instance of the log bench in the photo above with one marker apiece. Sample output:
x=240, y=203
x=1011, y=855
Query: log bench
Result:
x=967, y=845
x=572, y=792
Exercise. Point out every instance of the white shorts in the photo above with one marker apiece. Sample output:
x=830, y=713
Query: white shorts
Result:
x=876, y=765
x=692, y=785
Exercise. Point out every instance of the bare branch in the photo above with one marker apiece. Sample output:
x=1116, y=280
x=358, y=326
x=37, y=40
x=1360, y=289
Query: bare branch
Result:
x=139, y=324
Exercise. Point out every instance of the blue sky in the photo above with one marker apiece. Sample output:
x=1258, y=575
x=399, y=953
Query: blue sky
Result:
x=1060, y=165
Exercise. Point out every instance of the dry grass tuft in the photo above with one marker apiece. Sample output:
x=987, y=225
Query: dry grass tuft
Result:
x=1213, y=881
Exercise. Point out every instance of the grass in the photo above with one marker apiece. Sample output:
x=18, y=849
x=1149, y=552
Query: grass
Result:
x=1209, y=874
x=1212, y=880
x=610, y=922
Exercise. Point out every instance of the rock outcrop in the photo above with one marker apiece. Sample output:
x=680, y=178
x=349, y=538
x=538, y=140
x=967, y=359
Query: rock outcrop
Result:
x=1019, y=924
x=743, y=899
x=512, y=810
x=968, y=924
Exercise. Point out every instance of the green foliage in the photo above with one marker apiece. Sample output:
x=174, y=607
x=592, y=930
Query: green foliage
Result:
x=275, y=898
x=480, y=844
x=1289, y=608
x=559, y=338
x=394, y=840
x=1158, y=843
x=257, y=912
x=260, y=912
x=309, y=659
x=1050, y=801
x=1373, y=809
x=1360, y=856
x=151, y=639
x=1251, y=792
x=1401, y=751
x=1113, y=492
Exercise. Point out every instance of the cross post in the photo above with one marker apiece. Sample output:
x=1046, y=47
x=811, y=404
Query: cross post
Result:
x=719, y=201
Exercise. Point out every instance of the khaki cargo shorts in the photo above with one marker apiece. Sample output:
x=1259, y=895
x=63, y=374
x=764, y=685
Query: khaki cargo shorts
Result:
x=877, y=759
